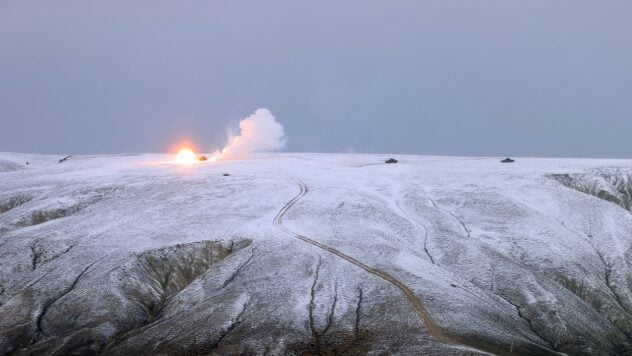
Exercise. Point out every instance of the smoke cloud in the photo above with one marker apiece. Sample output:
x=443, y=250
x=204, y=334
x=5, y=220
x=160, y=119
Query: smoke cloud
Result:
x=259, y=132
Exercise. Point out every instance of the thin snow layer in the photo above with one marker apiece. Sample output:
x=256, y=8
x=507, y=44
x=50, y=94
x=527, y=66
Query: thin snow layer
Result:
x=314, y=254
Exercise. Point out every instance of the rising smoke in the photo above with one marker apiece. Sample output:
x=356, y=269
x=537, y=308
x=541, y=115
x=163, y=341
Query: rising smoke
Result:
x=259, y=132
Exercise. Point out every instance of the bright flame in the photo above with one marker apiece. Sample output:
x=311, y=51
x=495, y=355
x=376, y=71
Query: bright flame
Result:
x=186, y=156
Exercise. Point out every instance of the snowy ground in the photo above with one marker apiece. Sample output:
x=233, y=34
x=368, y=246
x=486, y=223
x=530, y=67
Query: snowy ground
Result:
x=315, y=254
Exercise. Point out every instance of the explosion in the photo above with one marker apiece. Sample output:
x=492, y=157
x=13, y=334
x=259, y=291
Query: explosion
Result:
x=259, y=132
x=186, y=156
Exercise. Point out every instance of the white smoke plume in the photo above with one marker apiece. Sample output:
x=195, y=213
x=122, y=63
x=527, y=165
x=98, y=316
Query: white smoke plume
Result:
x=259, y=132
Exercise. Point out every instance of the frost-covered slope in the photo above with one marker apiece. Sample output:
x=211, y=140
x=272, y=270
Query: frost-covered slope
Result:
x=315, y=254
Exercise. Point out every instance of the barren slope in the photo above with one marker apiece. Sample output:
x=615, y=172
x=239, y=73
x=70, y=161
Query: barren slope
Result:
x=315, y=254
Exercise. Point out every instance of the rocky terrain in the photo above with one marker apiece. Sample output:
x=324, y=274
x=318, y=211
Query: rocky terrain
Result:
x=307, y=254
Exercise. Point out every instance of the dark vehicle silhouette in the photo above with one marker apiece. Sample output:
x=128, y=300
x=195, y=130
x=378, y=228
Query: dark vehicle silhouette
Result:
x=391, y=160
x=64, y=159
x=507, y=160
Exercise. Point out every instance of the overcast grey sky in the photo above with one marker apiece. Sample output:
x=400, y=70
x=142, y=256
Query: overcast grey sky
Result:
x=471, y=77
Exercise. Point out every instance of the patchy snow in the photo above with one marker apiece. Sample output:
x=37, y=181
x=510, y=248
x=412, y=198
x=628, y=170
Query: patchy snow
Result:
x=316, y=253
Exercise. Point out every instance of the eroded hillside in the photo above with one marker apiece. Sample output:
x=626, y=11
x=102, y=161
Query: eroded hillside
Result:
x=315, y=254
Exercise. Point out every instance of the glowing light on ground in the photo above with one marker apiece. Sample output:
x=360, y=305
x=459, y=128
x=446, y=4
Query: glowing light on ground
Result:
x=186, y=156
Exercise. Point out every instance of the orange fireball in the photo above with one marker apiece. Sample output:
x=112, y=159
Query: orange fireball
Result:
x=185, y=156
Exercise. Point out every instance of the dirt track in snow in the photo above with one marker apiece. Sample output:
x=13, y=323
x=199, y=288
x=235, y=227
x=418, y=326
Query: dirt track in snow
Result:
x=415, y=302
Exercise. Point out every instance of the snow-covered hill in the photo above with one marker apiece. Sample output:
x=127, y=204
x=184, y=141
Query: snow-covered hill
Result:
x=315, y=254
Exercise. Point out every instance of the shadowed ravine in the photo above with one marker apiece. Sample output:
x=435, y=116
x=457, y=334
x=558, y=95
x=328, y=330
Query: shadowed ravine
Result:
x=429, y=256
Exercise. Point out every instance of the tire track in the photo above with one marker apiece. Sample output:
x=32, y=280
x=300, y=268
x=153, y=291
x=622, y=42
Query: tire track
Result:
x=415, y=221
x=459, y=221
x=435, y=330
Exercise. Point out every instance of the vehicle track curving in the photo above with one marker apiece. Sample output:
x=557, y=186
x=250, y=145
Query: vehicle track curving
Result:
x=435, y=330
